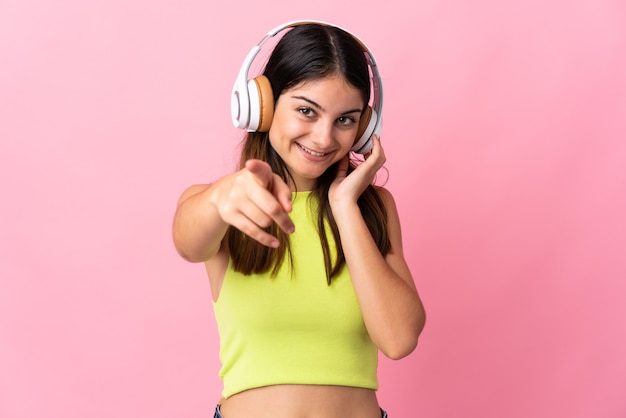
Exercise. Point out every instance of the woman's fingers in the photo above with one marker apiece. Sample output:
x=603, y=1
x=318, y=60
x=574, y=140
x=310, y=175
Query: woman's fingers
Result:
x=348, y=187
x=255, y=198
x=261, y=171
x=272, y=207
x=251, y=228
x=342, y=169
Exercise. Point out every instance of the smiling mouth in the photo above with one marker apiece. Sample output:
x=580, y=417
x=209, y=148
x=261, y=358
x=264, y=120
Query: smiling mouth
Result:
x=308, y=151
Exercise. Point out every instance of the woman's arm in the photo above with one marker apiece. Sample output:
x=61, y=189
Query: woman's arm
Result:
x=249, y=199
x=198, y=229
x=391, y=307
x=392, y=310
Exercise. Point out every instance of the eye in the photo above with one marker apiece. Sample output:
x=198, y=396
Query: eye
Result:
x=306, y=111
x=346, y=120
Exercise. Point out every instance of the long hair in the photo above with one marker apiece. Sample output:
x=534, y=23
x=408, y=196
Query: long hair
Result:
x=309, y=52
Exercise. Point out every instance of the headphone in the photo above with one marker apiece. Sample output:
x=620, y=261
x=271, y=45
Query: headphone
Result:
x=252, y=101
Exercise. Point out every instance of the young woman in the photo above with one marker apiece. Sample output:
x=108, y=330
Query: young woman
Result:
x=303, y=252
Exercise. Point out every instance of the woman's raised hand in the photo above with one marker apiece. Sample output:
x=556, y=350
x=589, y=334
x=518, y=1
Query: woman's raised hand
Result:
x=348, y=187
x=251, y=199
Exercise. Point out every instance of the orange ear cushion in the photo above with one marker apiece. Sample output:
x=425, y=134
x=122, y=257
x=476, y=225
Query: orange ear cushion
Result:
x=266, y=105
x=363, y=123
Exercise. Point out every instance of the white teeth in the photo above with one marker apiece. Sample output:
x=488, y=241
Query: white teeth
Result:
x=317, y=154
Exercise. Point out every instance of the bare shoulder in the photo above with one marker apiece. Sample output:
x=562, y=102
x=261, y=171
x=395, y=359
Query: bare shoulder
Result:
x=387, y=198
x=192, y=191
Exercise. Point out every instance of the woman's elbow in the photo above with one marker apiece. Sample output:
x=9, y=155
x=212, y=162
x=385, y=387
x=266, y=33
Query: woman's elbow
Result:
x=401, y=348
x=403, y=345
x=398, y=352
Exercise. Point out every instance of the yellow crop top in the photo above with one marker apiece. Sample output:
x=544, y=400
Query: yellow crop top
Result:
x=294, y=328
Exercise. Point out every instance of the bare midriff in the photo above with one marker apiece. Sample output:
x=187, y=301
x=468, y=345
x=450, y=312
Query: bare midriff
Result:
x=302, y=401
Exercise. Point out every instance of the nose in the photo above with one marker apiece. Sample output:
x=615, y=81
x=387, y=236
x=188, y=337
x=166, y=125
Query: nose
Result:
x=323, y=134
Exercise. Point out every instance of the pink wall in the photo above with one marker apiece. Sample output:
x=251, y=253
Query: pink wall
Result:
x=505, y=128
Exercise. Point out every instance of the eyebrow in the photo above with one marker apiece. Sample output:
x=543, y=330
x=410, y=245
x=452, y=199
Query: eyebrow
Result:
x=318, y=106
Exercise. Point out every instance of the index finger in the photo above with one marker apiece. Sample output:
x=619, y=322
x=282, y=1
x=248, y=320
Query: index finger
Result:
x=275, y=203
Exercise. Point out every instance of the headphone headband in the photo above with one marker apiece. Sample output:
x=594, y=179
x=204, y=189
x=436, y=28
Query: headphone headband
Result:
x=246, y=109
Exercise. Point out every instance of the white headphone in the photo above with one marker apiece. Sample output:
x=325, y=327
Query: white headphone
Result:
x=252, y=101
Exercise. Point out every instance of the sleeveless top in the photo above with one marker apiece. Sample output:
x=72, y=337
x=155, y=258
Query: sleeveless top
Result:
x=294, y=328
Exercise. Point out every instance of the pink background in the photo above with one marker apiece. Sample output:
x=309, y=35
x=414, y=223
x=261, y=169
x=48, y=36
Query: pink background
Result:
x=505, y=128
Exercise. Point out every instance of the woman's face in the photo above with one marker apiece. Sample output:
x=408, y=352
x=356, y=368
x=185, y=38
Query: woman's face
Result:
x=314, y=126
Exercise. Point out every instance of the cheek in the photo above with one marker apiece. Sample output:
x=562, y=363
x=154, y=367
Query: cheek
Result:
x=347, y=139
x=284, y=126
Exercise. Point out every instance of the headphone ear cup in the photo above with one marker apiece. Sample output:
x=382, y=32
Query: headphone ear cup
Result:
x=367, y=123
x=363, y=123
x=261, y=104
